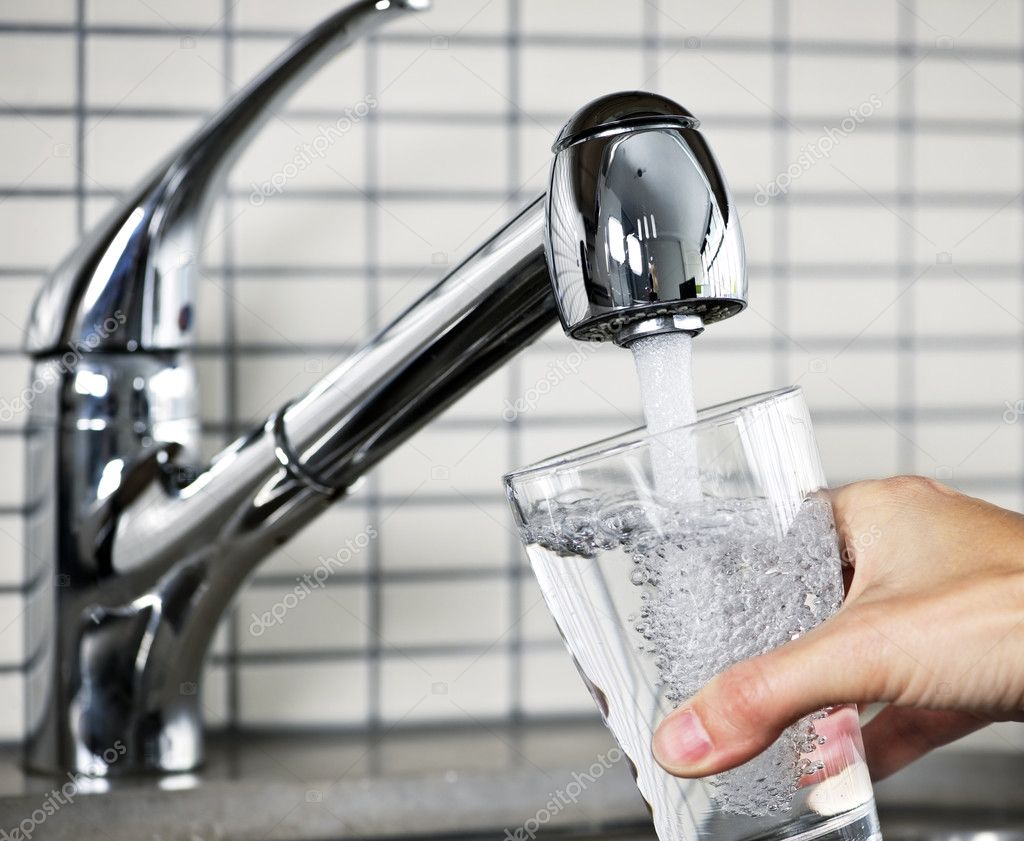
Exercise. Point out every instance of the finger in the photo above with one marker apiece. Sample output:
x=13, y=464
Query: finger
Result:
x=899, y=735
x=745, y=708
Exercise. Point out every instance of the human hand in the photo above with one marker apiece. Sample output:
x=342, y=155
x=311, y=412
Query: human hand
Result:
x=932, y=626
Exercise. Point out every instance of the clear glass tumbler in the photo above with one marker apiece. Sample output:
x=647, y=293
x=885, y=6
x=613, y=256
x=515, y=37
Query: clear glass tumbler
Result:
x=666, y=558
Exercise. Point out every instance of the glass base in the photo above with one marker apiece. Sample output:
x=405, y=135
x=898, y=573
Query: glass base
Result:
x=859, y=824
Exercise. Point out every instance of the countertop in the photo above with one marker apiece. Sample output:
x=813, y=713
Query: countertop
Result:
x=439, y=782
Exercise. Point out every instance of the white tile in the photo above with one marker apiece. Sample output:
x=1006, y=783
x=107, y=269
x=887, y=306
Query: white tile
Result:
x=966, y=23
x=210, y=297
x=158, y=13
x=844, y=234
x=730, y=83
x=19, y=292
x=950, y=162
x=706, y=21
x=38, y=232
x=538, y=443
x=214, y=695
x=485, y=402
x=534, y=156
x=342, y=540
x=828, y=86
x=446, y=612
x=954, y=451
x=967, y=234
x=38, y=152
x=301, y=310
x=427, y=232
x=552, y=685
x=31, y=11
x=759, y=320
x=581, y=17
x=12, y=626
x=725, y=375
x=212, y=375
x=564, y=78
x=872, y=20
x=303, y=154
x=454, y=19
x=574, y=379
x=425, y=536
x=759, y=227
x=37, y=70
x=461, y=78
x=945, y=85
x=744, y=155
x=461, y=689
x=861, y=381
x=285, y=231
x=849, y=311
x=171, y=71
x=339, y=84
x=303, y=616
x=266, y=382
x=443, y=157
x=981, y=379
x=12, y=697
x=850, y=162
x=121, y=151
x=259, y=14
x=968, y=303
x=16, y=391
x=537, y=624
x=305, y=694
x=854, y=451
x=396, y=294
x=12, y=547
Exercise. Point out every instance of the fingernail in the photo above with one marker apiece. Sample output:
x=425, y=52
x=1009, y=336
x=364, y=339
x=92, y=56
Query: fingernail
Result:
x=681, y=740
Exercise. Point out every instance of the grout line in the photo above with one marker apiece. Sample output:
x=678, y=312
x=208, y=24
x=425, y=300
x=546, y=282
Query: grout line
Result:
x=719, y=120
x=906, y=455
x=231, y=400
x=373, y=256
x=571, y=40
x=514, y=369
x=780, y=275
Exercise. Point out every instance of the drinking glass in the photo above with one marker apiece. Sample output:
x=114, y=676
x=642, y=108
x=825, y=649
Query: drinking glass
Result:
x=666, y=558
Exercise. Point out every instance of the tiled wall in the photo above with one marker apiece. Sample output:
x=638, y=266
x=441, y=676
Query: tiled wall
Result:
x=886, y=280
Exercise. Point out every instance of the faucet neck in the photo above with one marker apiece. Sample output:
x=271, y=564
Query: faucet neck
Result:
x=137, y=268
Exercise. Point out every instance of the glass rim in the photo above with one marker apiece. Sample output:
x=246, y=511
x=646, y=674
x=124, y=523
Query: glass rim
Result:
x=622, y=442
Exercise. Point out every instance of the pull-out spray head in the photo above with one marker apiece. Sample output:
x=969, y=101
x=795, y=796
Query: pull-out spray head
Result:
x=642, y=236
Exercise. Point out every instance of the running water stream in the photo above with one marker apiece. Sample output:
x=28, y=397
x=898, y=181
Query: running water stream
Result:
x=665, y=371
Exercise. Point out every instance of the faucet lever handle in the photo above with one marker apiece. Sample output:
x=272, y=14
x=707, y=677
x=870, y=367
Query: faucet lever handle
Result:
x=96, y=535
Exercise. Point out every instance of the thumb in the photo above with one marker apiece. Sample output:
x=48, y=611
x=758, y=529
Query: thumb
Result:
x=741, y=711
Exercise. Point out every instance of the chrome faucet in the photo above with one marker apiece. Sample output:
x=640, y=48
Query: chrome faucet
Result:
x=135, y=550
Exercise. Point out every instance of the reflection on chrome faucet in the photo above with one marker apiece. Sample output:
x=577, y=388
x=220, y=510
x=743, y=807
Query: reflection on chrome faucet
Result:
x=138, y=548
